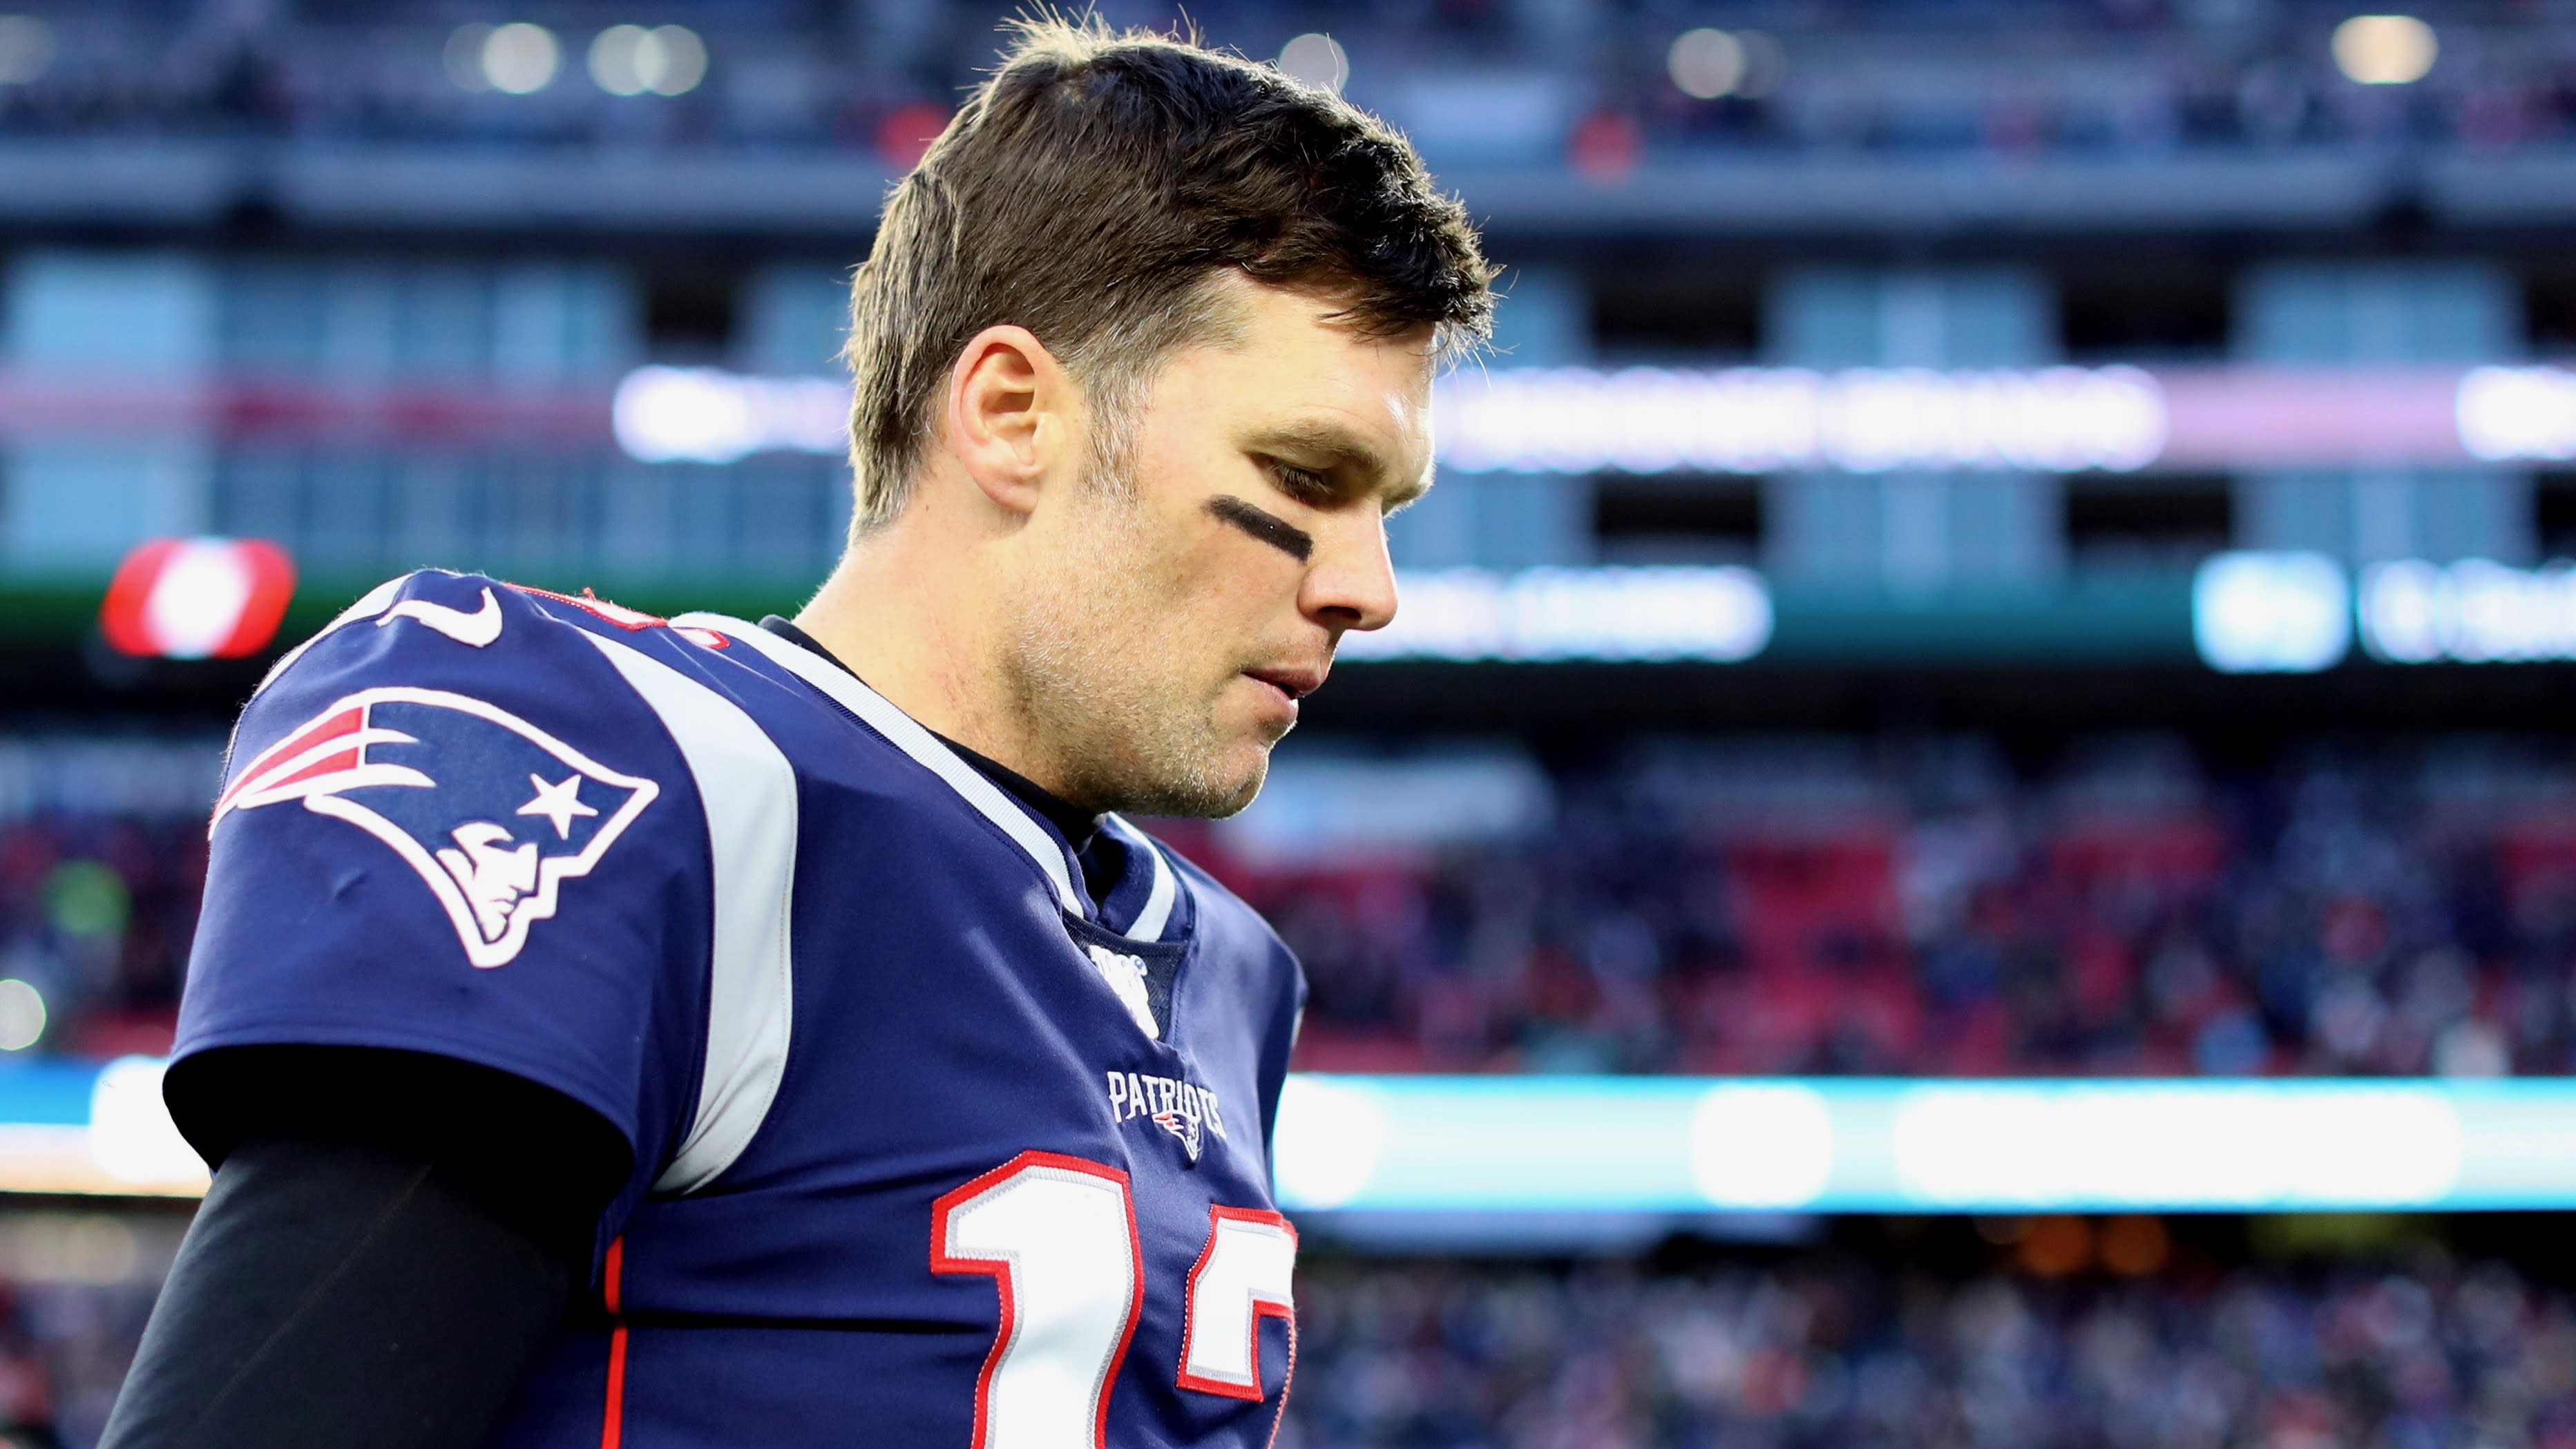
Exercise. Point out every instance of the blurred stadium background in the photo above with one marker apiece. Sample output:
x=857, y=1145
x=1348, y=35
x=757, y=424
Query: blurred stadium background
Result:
x=1969, y=837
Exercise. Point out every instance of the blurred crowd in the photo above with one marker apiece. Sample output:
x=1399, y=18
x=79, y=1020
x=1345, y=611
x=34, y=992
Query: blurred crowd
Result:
x=1935, y=907
x=1828, y=905
x=64, y=1350
x=2037, y=1345
x=1526, y=80
x=97, y=915
x=75, y=1288
x=1815, y=1352
x=102, y=859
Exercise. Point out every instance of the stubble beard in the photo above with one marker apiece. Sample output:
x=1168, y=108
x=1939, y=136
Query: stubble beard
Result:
x=1091, y=671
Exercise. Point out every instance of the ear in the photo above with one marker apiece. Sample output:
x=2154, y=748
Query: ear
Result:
x=1010, y=414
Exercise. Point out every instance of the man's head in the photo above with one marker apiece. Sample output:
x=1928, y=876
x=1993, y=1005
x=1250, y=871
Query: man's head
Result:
x=1169, y=319
x=1096, y=188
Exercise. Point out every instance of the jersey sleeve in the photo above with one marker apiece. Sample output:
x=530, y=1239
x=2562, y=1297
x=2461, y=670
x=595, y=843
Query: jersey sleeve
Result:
x=449, y=824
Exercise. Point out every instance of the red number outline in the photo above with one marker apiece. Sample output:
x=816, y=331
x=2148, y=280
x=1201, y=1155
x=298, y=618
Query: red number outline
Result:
x=999, y=1270
x=612, y=1418
x=1261, y=1308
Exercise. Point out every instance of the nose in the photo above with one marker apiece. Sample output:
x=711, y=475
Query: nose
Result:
x=1350, y=584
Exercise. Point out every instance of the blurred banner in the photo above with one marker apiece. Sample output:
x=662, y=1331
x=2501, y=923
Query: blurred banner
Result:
x=1698, y=1144
x=1649, y=420
x=1638, y=420
x=1680, y=1144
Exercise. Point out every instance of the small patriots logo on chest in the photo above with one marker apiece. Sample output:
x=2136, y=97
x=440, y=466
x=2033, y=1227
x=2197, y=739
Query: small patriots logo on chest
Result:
x=1186, y=1129
x=1186, y=1110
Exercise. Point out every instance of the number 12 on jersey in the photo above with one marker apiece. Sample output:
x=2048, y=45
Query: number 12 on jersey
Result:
x=1058, y=1237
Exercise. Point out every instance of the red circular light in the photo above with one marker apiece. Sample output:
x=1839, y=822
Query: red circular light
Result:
x=198, y=598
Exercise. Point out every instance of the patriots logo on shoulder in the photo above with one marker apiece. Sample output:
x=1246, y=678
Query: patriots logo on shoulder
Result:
x=491, y=811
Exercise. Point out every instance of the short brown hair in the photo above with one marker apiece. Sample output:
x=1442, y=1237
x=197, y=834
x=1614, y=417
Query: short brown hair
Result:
x=1091, y=189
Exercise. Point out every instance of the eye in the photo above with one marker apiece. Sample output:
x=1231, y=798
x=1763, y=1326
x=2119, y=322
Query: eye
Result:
x=1303, y=484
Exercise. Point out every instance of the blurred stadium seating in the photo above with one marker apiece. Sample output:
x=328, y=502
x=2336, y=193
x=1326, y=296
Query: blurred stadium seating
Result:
x=1921, y=908
x=1829, y=1348
x=1794, y=905
x=102, y=855
x=2091, y=78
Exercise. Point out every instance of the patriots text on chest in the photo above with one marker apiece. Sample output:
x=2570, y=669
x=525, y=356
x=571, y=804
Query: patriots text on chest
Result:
x=1133, y=1094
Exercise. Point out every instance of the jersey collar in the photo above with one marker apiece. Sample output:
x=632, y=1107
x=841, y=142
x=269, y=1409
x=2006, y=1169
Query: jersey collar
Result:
x=908, y=735
x=1014, y=818
x=1163, y=886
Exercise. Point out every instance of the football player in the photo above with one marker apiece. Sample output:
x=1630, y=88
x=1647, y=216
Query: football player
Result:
x=689, y=1034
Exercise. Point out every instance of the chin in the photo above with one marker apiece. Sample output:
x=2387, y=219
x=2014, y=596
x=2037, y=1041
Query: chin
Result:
x=1249, y=791
x=1212, y=789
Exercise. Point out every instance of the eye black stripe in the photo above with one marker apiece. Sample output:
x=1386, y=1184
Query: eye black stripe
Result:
x=1286, y=537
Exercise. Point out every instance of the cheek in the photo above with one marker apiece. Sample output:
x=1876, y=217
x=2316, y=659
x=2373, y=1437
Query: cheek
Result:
x=1228, y=617
x=1152, y=616
x=1187, y=600
x=1212, y=588
x=1193, y=647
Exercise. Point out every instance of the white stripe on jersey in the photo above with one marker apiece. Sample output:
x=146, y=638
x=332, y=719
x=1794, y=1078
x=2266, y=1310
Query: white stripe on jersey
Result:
x=1157, y=913
x=749, y=791
x=909, y=736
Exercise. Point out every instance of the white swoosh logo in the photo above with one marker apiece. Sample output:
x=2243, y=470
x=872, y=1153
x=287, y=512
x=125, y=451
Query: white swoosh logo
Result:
x=478, y=628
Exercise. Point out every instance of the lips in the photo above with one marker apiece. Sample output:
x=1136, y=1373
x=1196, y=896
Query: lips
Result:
x=1294, y=683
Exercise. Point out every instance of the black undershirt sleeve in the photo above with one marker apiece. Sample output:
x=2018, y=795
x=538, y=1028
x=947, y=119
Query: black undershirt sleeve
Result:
x=390, y=1242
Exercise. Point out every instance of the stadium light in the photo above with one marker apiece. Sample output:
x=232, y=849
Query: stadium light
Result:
x=1743, y=420
x=1764, y=62
x=2175, y=1145
x=1434, y=1144
x=1766, y=419
x=26, y=49
x=520, y=58
x=1683, y=1144
x=464, y=57
x=1705, y=64
x=671, y=59
x=629, y=60
x=197, y=598
x=1331, y=1136
x=2384, y=50
x=614, y=67
x=22, y=1015
x=2474, y=611
x=2271, y=613
x=1712, y=614
x=131, y=1137
x=2511, y=413
x=1762, y=1145
x=1316, y=59
x=705, y=415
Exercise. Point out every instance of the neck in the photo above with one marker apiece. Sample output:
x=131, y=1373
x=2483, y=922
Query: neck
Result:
x=917, y=609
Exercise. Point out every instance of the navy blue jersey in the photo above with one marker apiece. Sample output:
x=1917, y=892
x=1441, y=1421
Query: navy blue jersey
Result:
x=932, y=1147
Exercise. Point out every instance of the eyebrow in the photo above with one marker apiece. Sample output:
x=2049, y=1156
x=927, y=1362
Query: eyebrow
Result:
x=1279, y=533
x=1338, y=447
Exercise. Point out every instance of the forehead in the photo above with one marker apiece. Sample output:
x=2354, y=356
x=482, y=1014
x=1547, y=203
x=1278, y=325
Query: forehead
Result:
x=1286, y=366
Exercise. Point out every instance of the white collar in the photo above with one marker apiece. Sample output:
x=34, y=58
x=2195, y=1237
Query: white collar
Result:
x=1157, y=911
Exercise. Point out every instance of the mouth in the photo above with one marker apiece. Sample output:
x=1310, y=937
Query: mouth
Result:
x=1291, y=684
